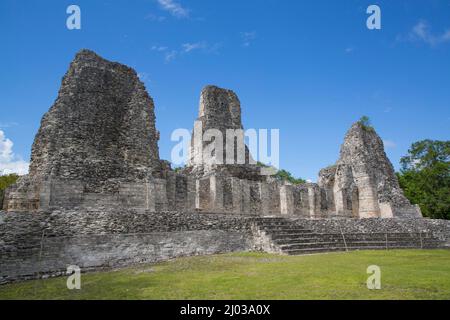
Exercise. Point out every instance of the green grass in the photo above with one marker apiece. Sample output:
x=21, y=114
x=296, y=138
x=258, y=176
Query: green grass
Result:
x=405, y=274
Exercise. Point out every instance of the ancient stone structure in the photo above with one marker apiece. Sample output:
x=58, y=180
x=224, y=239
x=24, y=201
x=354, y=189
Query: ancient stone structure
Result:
x=97, y=148
x=97, y=145
x=98, y=195
x=44, y=244
x=363, y=183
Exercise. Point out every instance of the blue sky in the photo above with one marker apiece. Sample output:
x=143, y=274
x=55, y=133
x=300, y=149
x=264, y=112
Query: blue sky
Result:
x=308, y=68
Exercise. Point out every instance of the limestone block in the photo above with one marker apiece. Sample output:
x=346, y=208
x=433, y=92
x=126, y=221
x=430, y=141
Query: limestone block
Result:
x=216, y=193
x=287, y=200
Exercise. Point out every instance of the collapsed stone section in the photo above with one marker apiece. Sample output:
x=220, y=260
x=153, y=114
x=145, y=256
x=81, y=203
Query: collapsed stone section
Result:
x=363, y=183
x=217, y=145
x=97, y=141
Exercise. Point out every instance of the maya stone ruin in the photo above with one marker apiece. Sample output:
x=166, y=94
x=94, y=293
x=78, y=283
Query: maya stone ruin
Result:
x=98, y=195
x=97, y=147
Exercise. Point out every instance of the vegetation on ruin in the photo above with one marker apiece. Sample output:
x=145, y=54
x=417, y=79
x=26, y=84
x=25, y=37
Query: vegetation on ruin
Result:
x=405, y=274
x=5, y=182
x=283, y=175
x=287, y=176
x=366, y=124
x=425, y=177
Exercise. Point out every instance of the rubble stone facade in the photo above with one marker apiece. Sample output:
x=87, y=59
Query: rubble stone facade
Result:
x=97, y=148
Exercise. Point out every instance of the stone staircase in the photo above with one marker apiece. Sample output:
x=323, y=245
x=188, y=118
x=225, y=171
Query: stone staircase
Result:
x=288, y=238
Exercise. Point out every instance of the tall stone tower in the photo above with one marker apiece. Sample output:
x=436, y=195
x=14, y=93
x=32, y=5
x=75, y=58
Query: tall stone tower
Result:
x=97, y=138
x=363, y=181
x=218, y=144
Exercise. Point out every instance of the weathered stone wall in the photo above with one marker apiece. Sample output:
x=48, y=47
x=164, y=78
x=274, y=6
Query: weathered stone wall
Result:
x=217, y=144
x=97, y=148
x=44, y=244
x=40, y=244
x=98, y=136
x=363, y=181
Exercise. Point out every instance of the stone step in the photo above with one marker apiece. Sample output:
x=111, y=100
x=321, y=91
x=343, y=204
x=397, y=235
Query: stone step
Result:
x=301, y=239
x=333, y=249
x=280, y=238
x=282, y=232
x=312, y=250
x=359, y=244
x=391, y=236
x=291, y=238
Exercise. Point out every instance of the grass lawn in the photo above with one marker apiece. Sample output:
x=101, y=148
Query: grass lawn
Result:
x=405, y=274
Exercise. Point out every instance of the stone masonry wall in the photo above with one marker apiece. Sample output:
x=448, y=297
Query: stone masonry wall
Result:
x=44, y=244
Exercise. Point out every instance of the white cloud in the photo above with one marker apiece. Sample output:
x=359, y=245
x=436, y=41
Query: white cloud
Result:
x=247, y=38
x=169, y=56
x=389, y=144
x=174, y=8
x=8, y=124
x=188, y=47
x=9, y=162
x=422, y=32
x=159, y=48
x=154, y=17
x=349, y=49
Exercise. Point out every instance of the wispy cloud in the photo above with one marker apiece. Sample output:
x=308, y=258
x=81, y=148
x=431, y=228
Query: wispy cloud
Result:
x=10, y=162
x=421, y=32
x=154, y=17
x=389, y=144
x=169, y=56
x=247, y=38
x=8, y=124
x=188, y=47
x=349, y=50
x=174, y=8
x=159, y=48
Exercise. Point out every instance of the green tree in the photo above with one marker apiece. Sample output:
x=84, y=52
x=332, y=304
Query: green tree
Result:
x=6, y=181
x=425, y=177
x=365, y=123
x=284, y=175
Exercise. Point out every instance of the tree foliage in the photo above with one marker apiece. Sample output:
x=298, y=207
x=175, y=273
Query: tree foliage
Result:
x=425, y=177
x=6, y=181
x=284, y=175
x=365, y=122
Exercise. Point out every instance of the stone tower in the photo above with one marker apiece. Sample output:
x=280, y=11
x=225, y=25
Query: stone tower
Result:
x=217, y=144
x=363, y=182
x=97, y=138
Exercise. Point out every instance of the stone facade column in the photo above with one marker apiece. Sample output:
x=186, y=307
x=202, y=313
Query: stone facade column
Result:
x=264, y=191
x=286, y=200
x=160, y=195
x=191, y=193
x=368, y=199
x=246, y=205
x=216, y=193
x=236, y=194
x=171, y=194
x=312, y=201
x=202, y=194
x=150, y=197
